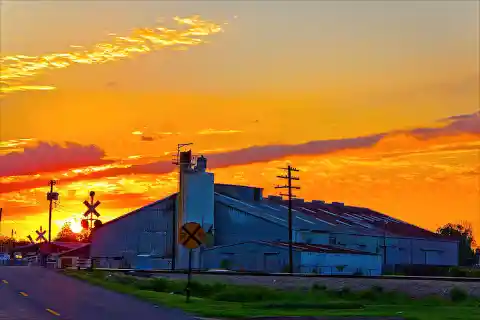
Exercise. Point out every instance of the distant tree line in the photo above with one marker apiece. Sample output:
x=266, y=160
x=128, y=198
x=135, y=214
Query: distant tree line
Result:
x=67, y=235
x=463, y=232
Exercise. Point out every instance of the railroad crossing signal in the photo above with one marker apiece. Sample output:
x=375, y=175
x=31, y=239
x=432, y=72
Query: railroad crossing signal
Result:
x=92, y=208
x=41, y=234
x=191, y=235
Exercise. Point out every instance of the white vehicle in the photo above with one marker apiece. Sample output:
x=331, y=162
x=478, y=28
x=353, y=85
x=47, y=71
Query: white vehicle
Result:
x=219, y=270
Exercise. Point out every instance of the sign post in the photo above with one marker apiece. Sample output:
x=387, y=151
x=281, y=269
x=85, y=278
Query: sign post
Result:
x=191, y=236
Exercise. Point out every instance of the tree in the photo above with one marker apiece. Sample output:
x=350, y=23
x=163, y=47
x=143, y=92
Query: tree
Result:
x=464, y=233
x=66, y=234
x=7, y=243
x=84, y=236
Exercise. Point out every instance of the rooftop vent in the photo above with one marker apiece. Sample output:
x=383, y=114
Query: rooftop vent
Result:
x=201, y=164
x=297, y=201
x=318, y=201
x=338, y=203
x=275, y=198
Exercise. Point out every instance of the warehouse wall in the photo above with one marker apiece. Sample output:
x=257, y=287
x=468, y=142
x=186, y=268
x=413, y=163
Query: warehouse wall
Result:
x=147, y=231
x=249, y=257
x=341, y=263
x=402, y=250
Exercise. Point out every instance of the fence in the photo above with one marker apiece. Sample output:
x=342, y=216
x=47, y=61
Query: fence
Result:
x=84, y=263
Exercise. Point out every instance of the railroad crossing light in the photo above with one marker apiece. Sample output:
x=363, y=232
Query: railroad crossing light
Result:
x=97, y=223
x=84, y=224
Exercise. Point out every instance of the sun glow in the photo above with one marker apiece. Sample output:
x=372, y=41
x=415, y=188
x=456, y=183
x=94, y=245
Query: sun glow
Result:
x=76, y=226
x=74, y=223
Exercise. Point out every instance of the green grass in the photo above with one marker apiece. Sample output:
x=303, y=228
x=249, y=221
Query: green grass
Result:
x=235, y=301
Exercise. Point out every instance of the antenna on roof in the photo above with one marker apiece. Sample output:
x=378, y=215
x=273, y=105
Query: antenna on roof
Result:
x=176, y=160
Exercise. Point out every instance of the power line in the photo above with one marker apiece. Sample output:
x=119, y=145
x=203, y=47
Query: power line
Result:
x=290, y=195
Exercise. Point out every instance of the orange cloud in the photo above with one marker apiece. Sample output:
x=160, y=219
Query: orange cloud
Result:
x=46, y=157
x=461, y=130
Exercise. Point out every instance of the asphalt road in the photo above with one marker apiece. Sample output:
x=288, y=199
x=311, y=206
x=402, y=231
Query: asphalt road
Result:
x=36, y=293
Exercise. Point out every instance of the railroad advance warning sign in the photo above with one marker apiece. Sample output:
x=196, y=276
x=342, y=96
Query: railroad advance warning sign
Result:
x=191, y=235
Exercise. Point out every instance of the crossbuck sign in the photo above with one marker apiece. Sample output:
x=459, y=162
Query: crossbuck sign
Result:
x=92, y=208
x=41, y=234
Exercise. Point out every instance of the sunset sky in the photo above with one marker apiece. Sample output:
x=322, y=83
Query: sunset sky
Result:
x=376, y=102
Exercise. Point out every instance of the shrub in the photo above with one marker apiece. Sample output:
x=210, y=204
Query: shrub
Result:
x=368, y=295
x=318, y=287
x=344, y=291
x=457, y=272
x=309, y=305
x=286, y=268
x=378, y=289
x=341, y=268
x=225, y=264
x=457, y=294
x=127, y=280
x=206, y=290
x=159, y=285
x=246, y=294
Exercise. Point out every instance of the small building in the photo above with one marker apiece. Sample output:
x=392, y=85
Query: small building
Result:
x=43, y=251
x=73, y=257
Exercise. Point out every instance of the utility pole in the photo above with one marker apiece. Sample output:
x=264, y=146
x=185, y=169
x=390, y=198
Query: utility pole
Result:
x=1, y=211
x=289, y=186
x=51, y=196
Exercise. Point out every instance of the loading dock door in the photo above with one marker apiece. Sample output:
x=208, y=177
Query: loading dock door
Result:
x=271, y=262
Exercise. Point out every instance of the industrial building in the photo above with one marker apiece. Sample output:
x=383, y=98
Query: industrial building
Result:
x=247, y=231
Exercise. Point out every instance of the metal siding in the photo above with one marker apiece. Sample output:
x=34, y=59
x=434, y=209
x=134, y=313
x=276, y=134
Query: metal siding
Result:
x=147, y=231
x=403, y=250
x=249, y=256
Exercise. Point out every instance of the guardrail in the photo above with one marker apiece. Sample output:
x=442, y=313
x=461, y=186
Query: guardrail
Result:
x=298, y=275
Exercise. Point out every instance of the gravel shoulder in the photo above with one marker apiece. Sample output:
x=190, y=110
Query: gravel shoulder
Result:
x=414, y=288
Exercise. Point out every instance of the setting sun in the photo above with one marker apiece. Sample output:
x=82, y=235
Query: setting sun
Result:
x=76, y=226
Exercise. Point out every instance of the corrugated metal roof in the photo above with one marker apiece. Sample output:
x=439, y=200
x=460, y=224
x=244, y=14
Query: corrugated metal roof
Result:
x=170, y=197
x=320, y=216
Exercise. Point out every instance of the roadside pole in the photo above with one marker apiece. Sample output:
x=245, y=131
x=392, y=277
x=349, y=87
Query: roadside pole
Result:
x=189, y=276
x=191, y=236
